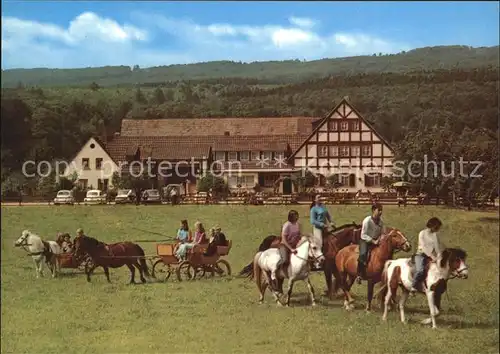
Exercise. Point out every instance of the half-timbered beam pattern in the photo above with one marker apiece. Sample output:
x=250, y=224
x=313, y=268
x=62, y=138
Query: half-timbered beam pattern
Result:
x=344, y=142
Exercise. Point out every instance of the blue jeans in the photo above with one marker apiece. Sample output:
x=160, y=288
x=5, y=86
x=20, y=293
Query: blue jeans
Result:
x=364, y=248
x=420, y=262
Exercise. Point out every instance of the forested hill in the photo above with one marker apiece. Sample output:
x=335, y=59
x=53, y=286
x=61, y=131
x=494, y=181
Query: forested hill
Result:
x=271, y=72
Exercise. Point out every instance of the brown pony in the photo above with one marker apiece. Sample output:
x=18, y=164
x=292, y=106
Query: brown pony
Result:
x=114, y=255
x=332, y=242
x=347, y=264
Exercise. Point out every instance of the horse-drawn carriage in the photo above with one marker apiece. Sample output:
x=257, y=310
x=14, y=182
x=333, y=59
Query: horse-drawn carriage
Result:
x=197, y=264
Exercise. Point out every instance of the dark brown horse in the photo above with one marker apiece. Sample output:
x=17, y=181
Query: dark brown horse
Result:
x=346, y=264
x=332, y=243
x=115, y=255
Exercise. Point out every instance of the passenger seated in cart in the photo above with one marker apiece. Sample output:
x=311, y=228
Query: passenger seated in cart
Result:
x=67, y=246
x=64, y=241
x=217, y=238
x=183, y=234
x=199, y=238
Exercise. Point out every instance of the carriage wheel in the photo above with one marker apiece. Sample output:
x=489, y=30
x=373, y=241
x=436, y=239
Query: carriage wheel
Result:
x=185, y=271
x=161, y=270
x=222, y=268
x=196, y=272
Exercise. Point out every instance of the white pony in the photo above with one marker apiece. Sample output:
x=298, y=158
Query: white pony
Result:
x=400, y=272
x=39, y=250
x=268, y=263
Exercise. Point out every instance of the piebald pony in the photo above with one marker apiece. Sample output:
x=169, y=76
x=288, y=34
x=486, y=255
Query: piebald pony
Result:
x=400, y=272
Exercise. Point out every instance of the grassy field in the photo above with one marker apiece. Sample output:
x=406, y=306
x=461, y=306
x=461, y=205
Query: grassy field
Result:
x=222, y=315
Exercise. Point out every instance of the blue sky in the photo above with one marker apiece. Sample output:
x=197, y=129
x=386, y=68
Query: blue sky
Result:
x=82, y=34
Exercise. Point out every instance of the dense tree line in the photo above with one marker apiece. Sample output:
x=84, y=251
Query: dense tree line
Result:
x=413, y=110
x=271, y=72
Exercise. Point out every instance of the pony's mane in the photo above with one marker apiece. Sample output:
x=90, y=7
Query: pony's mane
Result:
x=448, y=253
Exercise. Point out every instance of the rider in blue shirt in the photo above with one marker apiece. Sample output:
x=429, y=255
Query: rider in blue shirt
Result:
x=319, y=215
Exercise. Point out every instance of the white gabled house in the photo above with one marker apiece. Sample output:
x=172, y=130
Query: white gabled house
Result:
x=93, y=165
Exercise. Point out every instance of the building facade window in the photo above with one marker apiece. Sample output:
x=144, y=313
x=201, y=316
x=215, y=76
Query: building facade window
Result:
x=245, y=181
x=355, y=151
x=98, y=163
x=366, y=150
x=254, y=155
x=344, y=151
x=85, y=164
x=344, y=126
x=333, y=125
x=220, y=156
x=372, y=180
x=232, y=156
x=322, y=150
x=244, y=155
x=355, y=126
x=279, y=155
x=334, y=151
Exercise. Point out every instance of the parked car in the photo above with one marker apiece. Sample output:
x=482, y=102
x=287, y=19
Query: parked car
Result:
x=64, y=196
x=151, y=196
x=125, y=196
x=95, y=196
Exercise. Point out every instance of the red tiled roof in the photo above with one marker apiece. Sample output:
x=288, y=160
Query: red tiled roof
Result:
x=217, y=126
x=181, y=148
x=158, y=148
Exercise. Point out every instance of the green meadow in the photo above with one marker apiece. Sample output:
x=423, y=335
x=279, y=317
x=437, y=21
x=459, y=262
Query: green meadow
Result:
x=221, y=315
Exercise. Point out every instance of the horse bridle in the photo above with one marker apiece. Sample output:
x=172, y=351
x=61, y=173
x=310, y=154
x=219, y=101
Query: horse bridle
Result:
x=403, y=236
x=24, y=243
x=456, y=273
x=309, y=259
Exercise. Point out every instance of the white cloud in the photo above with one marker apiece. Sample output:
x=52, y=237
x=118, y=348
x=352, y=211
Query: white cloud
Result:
x=302, y=21
x=91, y=40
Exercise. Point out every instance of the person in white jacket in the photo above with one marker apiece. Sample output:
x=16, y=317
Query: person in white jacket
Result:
x=428, y=250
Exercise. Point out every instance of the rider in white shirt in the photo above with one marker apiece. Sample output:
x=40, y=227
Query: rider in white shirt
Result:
x=428, y=249
x=371, y=230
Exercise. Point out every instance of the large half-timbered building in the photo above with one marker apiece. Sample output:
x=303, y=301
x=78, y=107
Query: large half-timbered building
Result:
x=265, y=151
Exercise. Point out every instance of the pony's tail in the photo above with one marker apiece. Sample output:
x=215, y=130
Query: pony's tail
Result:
x=257, y=271
x=142, y=261
x=248, y=270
